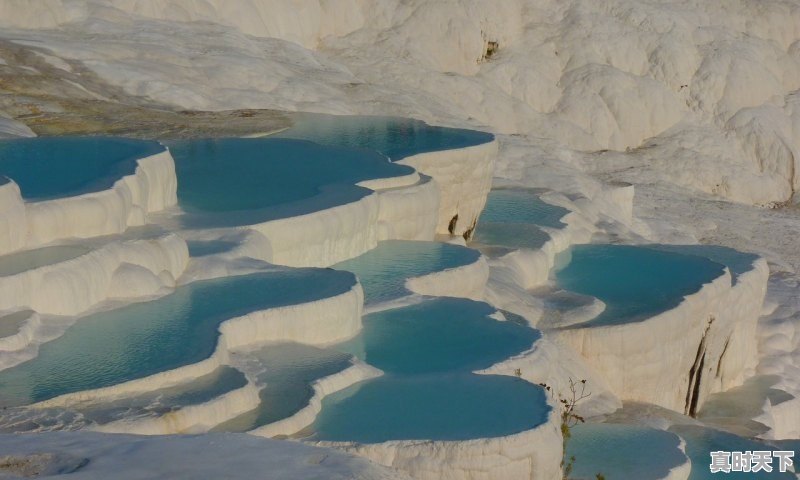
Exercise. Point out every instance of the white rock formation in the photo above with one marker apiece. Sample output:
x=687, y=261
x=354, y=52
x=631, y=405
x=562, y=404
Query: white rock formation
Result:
x=151, y=188
x=410, y=207
x=464, y=176
x=120, y=269
x=677, y=358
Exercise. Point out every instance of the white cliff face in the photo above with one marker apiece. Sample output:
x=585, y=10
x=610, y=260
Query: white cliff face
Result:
x=464, y=176
x=709, y=340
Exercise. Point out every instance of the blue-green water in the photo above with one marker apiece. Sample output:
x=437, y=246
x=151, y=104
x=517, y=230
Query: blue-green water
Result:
x=427, y=352
x=431, y=407
x=384, y=269
x=511, y=235
x=53, y=167
x=159, y=402
x=521, y=206
x=512, y=217
x=395, y=137
x=623, y=452
x=439, y=335
x=202, y=248
x=142, y=339
x=287, y=371
x=701, y=441
x=236, y=181
x=15, y=263
x=145, y=405
x=634, y=282
x=736, y=261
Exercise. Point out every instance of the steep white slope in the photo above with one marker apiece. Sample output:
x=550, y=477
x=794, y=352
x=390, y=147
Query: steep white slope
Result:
x=89, y=456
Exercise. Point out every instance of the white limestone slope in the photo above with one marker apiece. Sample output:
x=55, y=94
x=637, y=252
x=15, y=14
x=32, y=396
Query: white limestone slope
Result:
x=152, y=187
x=709, y=339
x=119, y=269
x=98, y=456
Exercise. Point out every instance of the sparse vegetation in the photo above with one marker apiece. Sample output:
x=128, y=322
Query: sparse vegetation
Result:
x=570, y=418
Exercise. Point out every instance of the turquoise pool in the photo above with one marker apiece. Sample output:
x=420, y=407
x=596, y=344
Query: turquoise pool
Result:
x=145, y=405
x=736, y=261
x=506, y=205
x=142, y=339
x=623, y=451
x=439, y=335
x=286, y=372
x=458, y=406
x=427, y=352
x=384, y=269
x=239, y=181
x=395, y=137
x=53, y=167
x=512, y=218
x=15, y=263
x=634, y=282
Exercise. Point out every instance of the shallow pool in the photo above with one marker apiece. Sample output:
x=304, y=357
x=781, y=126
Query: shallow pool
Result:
x=736, y=261
x=53, y=167
x=506, y=205
x=15, y=263
x=145, y=405
x=512, y=218
x=459, y=406
x=428, y=352
x=239, y=181
x=286, y=372
x=142, y=339
x=439, y=335
x=623, y=451
x=634, y=282
x=395, y=137
x=384, y=269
